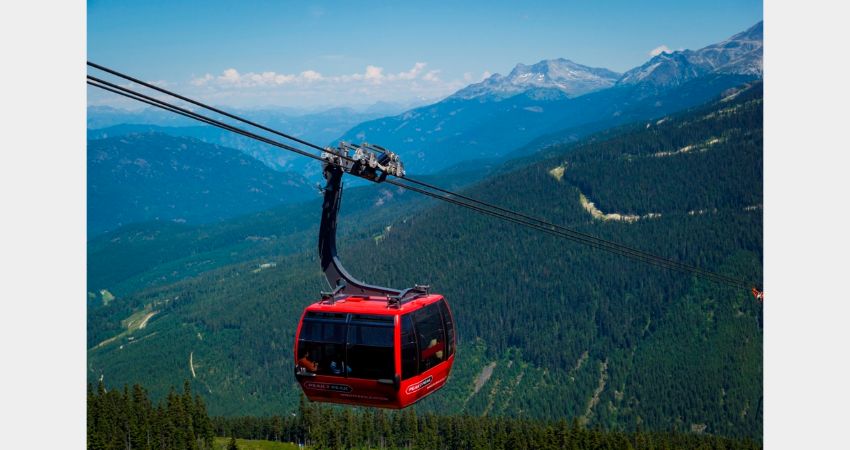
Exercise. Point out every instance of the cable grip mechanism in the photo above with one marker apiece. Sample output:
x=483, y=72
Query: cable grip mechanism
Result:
x=368, y=161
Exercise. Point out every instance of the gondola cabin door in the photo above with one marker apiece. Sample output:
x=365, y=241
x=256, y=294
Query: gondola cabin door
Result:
x=360, y=351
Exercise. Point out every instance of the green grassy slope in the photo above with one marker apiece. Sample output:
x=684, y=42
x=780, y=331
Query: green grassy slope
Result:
x=221, y=443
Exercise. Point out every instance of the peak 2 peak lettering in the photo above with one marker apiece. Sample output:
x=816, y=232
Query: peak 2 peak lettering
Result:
x=328, y=387
x=417, y=386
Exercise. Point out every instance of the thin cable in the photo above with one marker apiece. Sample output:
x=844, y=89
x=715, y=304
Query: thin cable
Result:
x=165, y=105
x=624, y=251
x=140, y=99
x=619, y=251
x=202, y=105
x=421, y=183
x=573, y=232
x=505, y=214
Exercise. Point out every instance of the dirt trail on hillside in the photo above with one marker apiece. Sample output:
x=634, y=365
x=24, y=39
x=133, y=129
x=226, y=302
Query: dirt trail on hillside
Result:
x=483, y=377
x=590, y=207
x=145, y=319
x=594, y=400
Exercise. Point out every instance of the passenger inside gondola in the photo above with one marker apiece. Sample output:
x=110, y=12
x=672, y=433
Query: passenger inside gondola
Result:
x=323, y=336
x=306, y=363
x=432, y=338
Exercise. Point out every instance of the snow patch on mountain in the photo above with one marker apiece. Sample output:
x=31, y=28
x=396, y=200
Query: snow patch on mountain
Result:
x=741, y=54
x=559, y=74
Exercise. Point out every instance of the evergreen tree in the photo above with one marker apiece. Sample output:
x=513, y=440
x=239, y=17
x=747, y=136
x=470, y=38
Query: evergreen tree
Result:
x=351, y=434
x=277, y=428
x=408, y=427
x=203, y=425
x=94, y=436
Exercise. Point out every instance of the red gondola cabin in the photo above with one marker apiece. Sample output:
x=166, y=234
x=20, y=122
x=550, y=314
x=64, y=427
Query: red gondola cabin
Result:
x=359, y=350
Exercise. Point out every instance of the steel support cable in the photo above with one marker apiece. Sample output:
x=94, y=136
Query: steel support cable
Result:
x=506, y=214
x=660, y=262
x=140, y=99
x=164, y=105
x=654, y=261
x=167, y=106
x=421, y=183
x=197, y=103
x=600, y=241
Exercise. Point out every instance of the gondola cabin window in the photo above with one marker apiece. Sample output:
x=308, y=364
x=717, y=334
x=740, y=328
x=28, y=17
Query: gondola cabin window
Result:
x=348, y=345
x=430, y=336
x=449, y=326
x=370, y=347
x=322, y=343
x=409, y=348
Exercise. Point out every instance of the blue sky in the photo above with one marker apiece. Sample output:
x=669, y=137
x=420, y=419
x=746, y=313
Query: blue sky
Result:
x=334, y=53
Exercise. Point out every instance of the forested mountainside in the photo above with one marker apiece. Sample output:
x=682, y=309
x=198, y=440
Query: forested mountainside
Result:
x=154, y=176
x=547, y=328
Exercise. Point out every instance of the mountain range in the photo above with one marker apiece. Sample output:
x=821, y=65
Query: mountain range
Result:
x=503, y=113
x=554, y=100
x=741, y=54
x=554, y=74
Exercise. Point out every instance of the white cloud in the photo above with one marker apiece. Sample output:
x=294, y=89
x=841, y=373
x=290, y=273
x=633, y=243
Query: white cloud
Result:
x=310, y=87
x=200, y=81
x=413, y=72
x=659, y=50
x=230, y=76
x=374, y=74
x=233, y=78
x=281, y=79
x=431, y=76
x=309, y=76
x=486, y=74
